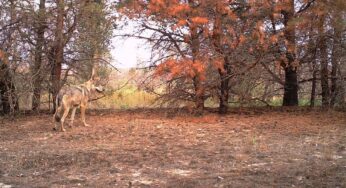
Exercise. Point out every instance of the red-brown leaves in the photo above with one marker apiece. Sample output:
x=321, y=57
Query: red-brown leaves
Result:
x=187, y=68
x=156, y=5
x=274, y=39
x=178, y=9
x=219, y=64
x=3, y=57
x=242, y=39
x=199, y=20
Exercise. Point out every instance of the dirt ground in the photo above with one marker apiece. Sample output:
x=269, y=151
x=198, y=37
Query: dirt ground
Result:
x=148, y=148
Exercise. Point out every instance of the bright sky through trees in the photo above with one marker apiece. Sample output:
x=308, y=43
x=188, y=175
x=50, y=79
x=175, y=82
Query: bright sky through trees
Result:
x=126, y=53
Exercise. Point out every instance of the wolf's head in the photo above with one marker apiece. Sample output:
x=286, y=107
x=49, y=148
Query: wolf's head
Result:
x=93, y=84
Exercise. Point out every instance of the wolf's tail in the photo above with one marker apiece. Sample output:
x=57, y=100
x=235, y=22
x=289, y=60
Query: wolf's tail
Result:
x=57, y=111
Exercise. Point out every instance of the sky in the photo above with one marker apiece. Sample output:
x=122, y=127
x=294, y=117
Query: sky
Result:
x=127, y=52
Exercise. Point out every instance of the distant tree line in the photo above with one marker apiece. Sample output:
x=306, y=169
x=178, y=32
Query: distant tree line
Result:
x=230, y=51
x=243, y=51
x=44, y=43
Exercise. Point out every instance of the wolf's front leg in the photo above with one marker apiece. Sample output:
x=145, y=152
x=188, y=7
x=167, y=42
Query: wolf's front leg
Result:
x=82, y=110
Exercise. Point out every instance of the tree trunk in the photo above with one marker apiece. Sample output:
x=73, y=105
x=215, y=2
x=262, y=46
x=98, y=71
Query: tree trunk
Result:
x=6, y=107
x=57, y=51
x=37, y=69
x=291, y=81
x=324, y=63
x=333, y=89
x=336, y=54
x=225, y=71
x=197, y=80
x=9, y=99
x=290, y=87
x=313, y=87
x=199, y=93
x=7, y=88
x=224, y=86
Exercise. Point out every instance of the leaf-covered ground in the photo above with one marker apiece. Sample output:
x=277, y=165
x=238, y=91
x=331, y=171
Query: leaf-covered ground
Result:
x=157, y=148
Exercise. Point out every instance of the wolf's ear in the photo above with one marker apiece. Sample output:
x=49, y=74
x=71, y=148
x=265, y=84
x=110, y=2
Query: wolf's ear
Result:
x=93, y=73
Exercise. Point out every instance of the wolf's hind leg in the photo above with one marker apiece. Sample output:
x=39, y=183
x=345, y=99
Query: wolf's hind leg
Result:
x=72, y=116
x=55, y=128
x=57, y=118
x=66, y=110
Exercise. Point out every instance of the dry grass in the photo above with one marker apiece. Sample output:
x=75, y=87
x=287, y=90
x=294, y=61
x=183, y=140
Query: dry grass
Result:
x=127, y=98
x=147, y=148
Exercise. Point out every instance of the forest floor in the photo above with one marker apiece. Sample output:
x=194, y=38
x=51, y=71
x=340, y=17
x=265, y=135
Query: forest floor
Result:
x=158, y=148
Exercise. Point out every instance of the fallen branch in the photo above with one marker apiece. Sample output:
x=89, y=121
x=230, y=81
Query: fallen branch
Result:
x=112, y=91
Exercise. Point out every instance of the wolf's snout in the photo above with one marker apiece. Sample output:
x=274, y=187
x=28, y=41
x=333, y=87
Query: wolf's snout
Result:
x=99, y=89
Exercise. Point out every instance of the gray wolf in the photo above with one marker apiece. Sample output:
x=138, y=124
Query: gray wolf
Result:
x=73, y=97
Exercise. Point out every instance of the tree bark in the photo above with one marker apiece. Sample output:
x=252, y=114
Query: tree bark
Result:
x=225, y=71
x=324, y=63
x=7, y=88
x=9, y=99
x=6, y=108
x=57, y=51
x=197, y=80
x=334, y=79
x=290, y=87
x=224, y=87
x=37, y=68
x=313, y=86
x=336, y=53
x=290, y=97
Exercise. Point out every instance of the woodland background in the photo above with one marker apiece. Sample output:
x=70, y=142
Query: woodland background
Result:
x=204, y=53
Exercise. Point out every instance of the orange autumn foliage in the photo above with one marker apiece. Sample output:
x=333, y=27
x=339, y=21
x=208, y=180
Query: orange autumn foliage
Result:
x=198, y=66
x=219, y=64
x=242, y=39
x=3, y=57
x=177, y=9
x=274, y=39
x=199, y=20
x=172, y=68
